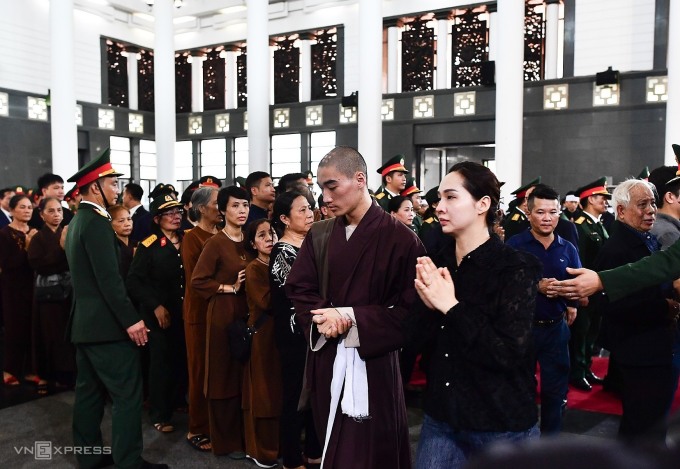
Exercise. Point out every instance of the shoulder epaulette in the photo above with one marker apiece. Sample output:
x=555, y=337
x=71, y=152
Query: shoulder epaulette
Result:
x=429, y=220
x=515, y=217
x=380, y=195
x=101, y=213
x=149, y=241
x=580, y=220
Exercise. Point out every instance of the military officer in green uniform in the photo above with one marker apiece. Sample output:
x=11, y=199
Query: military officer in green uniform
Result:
x=592, y=235
x=155, y=283
x=393, y=174
x=413, y=193
x=430, y=219
x=516, y=220
x=104, y=326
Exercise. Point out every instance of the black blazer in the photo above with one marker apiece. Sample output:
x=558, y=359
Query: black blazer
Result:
x=4, y=219
x=141, y=225
x=637, y=328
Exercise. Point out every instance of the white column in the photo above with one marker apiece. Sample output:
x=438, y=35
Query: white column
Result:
x=164, y=90
x=443, y=58
x=132, y=72
x=62, y=90
x=197, y=60
x=305, y=84
x=551, y=37
x=493, y=31
x=259, y=77
x=392, y=59
x=230, y=79
x=673, y=65
x=370, y=87
x=510, y=93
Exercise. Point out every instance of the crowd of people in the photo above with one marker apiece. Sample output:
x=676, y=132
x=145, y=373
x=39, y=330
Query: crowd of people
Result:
x=341, y=294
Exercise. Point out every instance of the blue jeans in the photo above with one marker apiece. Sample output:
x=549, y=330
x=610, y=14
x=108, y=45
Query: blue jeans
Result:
x=440, y=447
x=551, y=350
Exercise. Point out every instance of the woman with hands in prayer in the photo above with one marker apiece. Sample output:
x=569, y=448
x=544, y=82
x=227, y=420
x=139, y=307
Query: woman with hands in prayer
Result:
x=479, y=296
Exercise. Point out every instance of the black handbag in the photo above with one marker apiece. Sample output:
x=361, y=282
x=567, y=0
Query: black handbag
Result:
x=55, y=287
x=241, y=337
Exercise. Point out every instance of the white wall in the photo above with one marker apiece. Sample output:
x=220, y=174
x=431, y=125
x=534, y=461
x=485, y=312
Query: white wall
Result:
x=619, y=33
x=25, y=54
x=300, y=17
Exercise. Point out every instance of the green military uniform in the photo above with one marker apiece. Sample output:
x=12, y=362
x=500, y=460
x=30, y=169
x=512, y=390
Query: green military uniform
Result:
x=156, y=278
x=515, y=220
x=394, y=164
x=383, y=197
x=662, y=266
x=428, y=223
x=108, y=361
x=586, y=327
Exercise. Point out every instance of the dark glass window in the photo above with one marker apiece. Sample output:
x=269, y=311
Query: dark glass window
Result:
x=417, y=55
x=213, y=81
x=324, y=63
x=469, y=40
x=242, y=79
x=286, y=70
x=116, y=74
x=534, y=36
x=145, y=81
x=182, y=83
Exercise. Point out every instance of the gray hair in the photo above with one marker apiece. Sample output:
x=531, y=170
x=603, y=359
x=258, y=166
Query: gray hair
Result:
x=200, y=198
x=621, y=195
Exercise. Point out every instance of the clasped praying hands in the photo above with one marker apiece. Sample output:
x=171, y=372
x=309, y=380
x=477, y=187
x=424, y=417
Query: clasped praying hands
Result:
x=330, y=322
x=435, y=286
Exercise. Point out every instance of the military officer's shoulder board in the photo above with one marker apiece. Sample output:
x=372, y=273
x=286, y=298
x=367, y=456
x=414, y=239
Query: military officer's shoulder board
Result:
x=515, y=217
x=380, y=195
x=101, y=213
x=429, y=220
x=580, y=220
x=149, y=241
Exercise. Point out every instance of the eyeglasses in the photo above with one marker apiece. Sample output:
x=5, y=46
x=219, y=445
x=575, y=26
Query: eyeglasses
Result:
x=173, y=213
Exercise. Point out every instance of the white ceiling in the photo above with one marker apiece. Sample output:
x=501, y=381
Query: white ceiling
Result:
x=195, y=15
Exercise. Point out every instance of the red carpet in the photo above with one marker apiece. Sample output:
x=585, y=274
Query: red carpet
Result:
x=601, y=401
x=596, y=400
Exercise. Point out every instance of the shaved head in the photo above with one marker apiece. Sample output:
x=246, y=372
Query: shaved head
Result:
x=346, y=160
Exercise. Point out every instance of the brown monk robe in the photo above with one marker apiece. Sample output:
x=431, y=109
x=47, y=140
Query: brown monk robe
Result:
x=195, y=310
x=372, y=272
x=219, y=264
x=261, y=377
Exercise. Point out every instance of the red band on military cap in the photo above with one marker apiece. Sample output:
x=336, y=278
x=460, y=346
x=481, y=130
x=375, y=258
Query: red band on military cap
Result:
x=393, y=167
x=521, y=195
x=410, y=190
x=95, y=174
x=594, y=191
x=208, y=183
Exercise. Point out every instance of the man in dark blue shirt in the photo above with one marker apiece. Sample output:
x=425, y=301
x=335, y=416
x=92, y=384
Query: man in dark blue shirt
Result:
x=553, y=314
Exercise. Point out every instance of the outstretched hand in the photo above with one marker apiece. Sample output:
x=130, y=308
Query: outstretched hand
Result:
x=585, y=283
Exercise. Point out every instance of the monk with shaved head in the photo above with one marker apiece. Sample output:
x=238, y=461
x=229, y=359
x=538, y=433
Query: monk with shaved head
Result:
x=352, y=286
